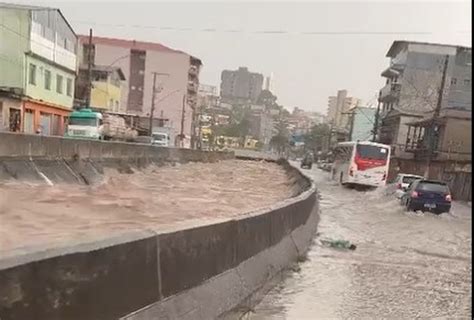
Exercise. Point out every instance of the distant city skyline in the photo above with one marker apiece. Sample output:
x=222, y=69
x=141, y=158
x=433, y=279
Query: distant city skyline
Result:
x=313, y=49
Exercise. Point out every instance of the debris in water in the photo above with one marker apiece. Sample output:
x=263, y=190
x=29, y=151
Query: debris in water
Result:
x=339, y=244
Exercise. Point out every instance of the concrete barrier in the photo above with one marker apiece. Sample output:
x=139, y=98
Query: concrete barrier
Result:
x=199, y=271
x=36, y=158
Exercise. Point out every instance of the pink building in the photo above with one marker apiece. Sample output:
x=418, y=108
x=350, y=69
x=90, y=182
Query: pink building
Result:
x=177, y=78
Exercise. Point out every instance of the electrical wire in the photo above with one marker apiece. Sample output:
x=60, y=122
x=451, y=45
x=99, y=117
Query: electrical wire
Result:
x=265, y=32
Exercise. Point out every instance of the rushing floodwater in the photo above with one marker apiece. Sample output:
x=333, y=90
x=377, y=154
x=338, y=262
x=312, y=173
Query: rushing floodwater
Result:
x=32, y=214
x=406, y=265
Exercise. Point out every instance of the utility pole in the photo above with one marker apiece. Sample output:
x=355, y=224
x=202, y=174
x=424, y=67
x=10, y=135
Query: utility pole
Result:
x=183, y=111
x=351, y=122
x=89, y=71
x=153, y=98
x=376, y=123
x=434, y=118
x=351, y=127
x=193, y=128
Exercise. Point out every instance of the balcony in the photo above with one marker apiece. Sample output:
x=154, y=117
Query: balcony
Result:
x=193, y=86
x=390, y=92
x=193, y=71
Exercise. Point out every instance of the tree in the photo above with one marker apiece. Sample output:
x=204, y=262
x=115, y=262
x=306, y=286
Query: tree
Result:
x=280, y=141
x=318, y=137
x=267, y=99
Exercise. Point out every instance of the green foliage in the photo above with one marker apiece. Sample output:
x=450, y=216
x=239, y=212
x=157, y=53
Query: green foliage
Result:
x=317, y=137
x=267, y=99
x=280, y=140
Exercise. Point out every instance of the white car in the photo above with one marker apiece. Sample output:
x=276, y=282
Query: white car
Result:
x=398, y=186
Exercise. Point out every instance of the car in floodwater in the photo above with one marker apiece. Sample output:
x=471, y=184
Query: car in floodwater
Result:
x=325, y=166
x=427, y=195
x=400, y=184
x=307, y=161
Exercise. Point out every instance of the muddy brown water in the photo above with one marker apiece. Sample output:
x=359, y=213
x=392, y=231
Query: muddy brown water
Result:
x=33, y=215
x=406, y=265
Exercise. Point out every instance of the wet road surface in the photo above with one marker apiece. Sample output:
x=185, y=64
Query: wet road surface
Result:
x=406, y=265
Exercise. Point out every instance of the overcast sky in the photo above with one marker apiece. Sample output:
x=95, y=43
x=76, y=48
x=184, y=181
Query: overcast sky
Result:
x=319, y=47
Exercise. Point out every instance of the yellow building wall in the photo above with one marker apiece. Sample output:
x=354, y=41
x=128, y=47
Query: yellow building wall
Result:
x=103, y=94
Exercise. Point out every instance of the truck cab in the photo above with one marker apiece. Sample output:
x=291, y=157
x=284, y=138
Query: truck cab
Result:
x=161, y=139
x=85, y=124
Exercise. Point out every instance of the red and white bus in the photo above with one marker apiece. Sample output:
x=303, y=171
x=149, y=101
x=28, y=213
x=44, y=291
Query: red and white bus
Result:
x=361, y=163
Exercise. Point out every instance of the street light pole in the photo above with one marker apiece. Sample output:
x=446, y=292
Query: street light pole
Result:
x=89, y=71
x=431, y=134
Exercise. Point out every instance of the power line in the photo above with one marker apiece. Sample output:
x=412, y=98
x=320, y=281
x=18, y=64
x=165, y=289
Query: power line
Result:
x=263, y=32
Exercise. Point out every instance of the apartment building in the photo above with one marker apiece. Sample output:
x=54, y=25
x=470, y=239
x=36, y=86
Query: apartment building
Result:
x=269, y=83
x=241, y=86
x=176, y=79
x=38, y=69
x=207, y=96
x=411, y=92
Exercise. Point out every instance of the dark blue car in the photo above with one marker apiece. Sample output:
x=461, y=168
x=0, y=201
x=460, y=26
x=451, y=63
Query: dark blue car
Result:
x=427, y=195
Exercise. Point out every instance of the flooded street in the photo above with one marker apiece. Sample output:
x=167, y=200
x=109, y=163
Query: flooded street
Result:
x=406, y=265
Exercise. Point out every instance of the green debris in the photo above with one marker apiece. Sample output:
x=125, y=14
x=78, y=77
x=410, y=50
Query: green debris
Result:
x=339, y=244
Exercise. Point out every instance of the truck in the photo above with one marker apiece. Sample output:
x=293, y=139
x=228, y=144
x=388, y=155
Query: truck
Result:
x=88, y=124
x=162, y=136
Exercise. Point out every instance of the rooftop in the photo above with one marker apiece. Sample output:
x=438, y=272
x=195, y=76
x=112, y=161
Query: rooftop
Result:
x=24, y=6
x=398, y=44
x=108, y=69
x=132, y=44
x=35, y=8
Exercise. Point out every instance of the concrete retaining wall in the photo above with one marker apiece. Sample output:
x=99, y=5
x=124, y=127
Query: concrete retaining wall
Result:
x=40, y=158
x=196, y=271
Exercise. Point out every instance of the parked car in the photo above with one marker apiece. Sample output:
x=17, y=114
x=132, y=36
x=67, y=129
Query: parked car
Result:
x=400, y=184
x=307, y=162
x=427, y=195
x=325, y=166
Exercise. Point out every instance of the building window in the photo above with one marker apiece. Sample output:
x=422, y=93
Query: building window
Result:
x=454, y=81
x=47, y=79
x=32, y=75
x=69, y=87
x=59, y=83
x=467, y=82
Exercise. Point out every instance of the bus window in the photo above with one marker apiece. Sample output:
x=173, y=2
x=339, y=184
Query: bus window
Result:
x=372, y=152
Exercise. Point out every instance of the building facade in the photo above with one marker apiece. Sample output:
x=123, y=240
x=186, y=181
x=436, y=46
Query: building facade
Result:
x=207, y=96
x=177, y=79
x=262, y=127
x=38, y=69
x=413, y=81
x=269, y=83
x=106, y=91
x=240, y=86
